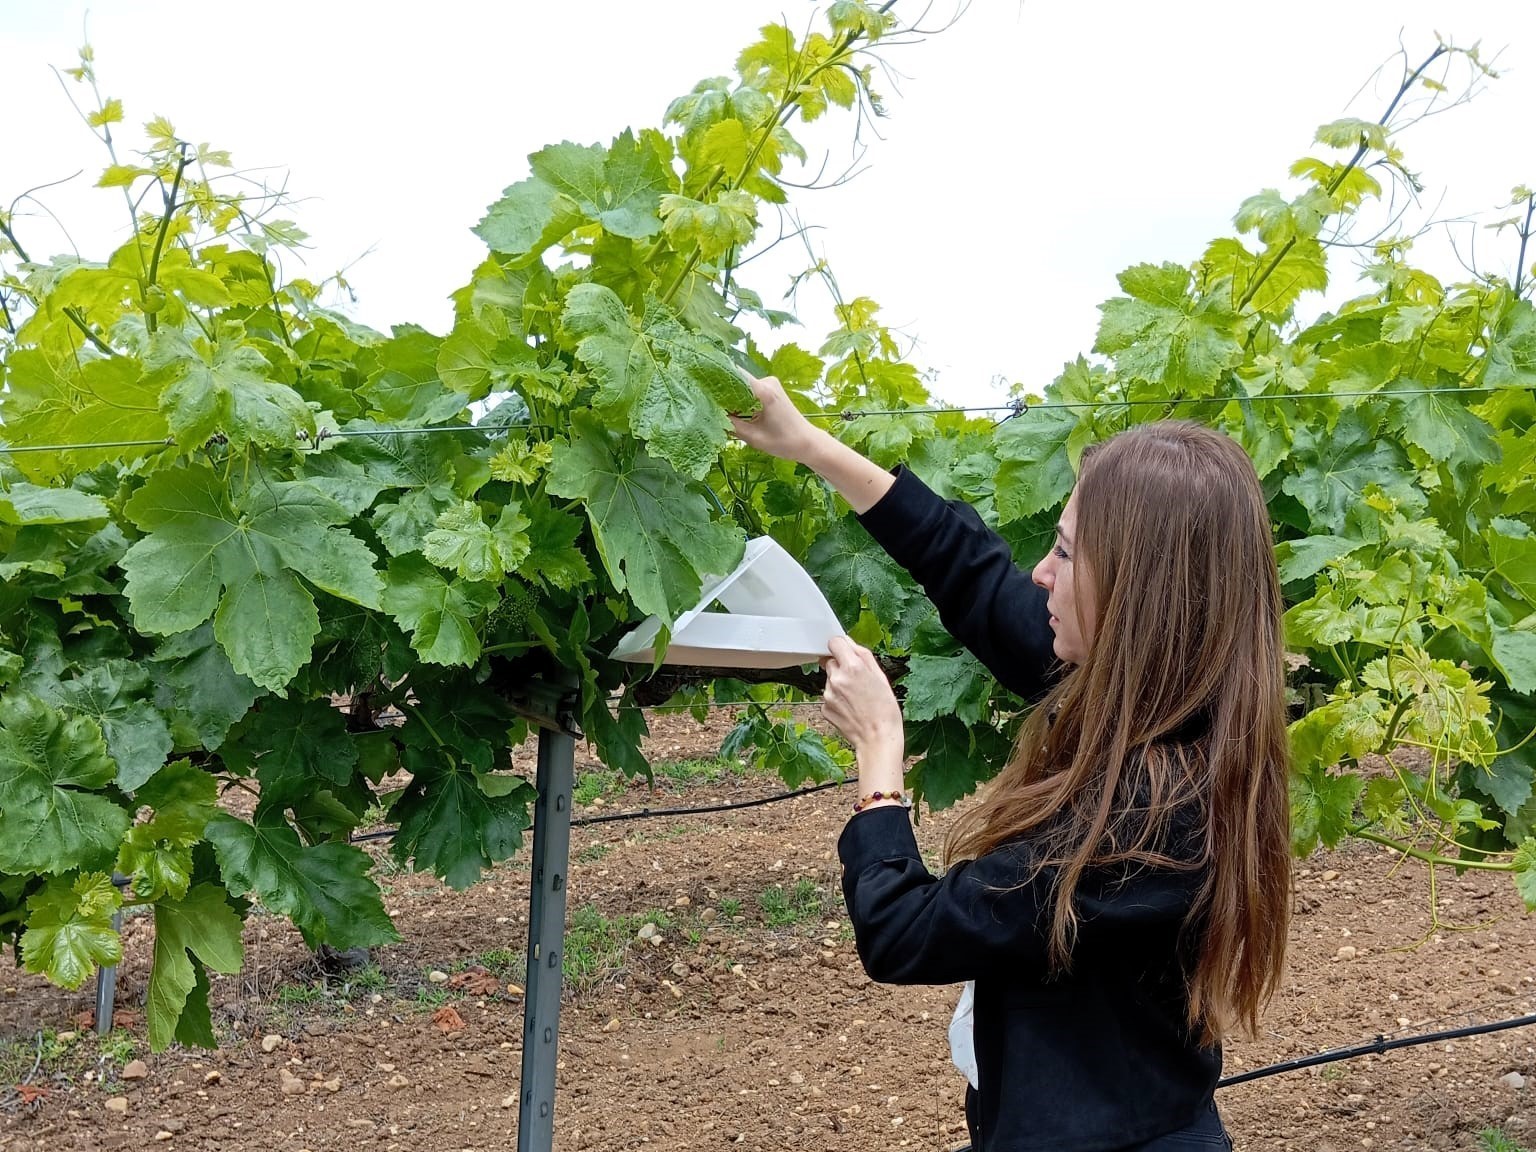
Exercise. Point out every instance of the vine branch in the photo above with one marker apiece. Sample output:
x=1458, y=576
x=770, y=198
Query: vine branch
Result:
x=79, y=322
x=151, y=319
x=1525, y=237
x=1333, y=185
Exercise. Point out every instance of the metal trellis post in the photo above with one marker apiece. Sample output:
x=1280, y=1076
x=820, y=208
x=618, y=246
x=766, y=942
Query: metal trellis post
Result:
x=546, y=930
x=106, y=986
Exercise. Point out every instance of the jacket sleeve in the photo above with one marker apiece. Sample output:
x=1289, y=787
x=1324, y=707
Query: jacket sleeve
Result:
x=985, y=917
x=985, y=600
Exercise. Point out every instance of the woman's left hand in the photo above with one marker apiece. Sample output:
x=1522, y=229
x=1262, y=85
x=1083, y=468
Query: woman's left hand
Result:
x=859, y=701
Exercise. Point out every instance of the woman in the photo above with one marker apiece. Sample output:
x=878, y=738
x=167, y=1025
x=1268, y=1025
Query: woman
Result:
x=1120, y=893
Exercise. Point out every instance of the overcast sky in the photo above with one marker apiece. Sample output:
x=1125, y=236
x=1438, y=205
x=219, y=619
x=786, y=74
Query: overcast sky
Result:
x=1033, y=151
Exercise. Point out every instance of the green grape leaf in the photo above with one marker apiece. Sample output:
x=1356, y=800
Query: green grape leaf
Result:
x=714, y=228
x=293, y=747
x=553, y=558
x=1322, y=807
x=1160, y=334
x=404, y=386
x=195, y=1028
x=1515, y=766
x=620, y=187
x=1299, y=559
x=449, y=825
x=938, y=686
x=465, y=543
x=137, y=735
x=1341, y=730
x=652, y=527
x=1514, y=651
x=157, y=854
x=69, y=929
x=1525, y=872
x=1513, y=558
x=953, y=760
x=1512, y=352
x=1333, y=470
x=1444, y=429
x=616, y=738
x=202, y=553
x=530, y=216
x=198, y=689
x=673, y=387
x=67, y=400
x=323, y=888
x=228, y=391
x=1035, y=467
x=443, y=616
x=23, y=503
x=852, y=569
x=799, y=754
x=49, y=822
x=201, y=925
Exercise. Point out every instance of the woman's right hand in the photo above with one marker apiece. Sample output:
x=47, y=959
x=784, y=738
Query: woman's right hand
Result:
x=779, y=428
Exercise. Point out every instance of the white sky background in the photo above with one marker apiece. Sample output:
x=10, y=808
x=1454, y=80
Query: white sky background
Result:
x=1033, y=151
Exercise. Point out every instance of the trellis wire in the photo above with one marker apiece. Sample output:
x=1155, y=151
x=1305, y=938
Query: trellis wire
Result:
x=1013, y=408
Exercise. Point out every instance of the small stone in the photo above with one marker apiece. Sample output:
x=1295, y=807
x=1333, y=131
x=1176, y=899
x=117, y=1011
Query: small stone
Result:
x=647, y=931
x=291, y=1084
x=438, y=976
x=1403, y=1021
x=509, y=1101
x=213, y=1077
x=1513, y=1080
x=1345, y=953
x=66, y=1037
x=118, y=1105
x=332, y=1085
x=1330, y=875
x=514, y=989
x=613, y=1025
x=163, y=1135
x=136, y=1070
x=271, y=1042
x=171, y=1124
x=707, y=915
x=681, y=902
x=398, y=1081
x=376, y=998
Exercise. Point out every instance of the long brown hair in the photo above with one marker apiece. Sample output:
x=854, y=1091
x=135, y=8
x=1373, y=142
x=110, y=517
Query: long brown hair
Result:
x=1176, y=713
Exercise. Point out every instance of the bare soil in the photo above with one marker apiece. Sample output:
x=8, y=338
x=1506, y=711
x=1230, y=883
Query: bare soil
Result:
x=749, y=1023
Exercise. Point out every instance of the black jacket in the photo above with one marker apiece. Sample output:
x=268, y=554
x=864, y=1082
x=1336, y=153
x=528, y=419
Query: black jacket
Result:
x=1095, y=1059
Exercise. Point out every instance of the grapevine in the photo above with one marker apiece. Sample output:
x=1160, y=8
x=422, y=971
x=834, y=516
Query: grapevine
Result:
x=225, y=508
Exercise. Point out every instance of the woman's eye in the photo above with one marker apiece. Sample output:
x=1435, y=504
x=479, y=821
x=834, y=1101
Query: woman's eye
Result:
x=1061, y=552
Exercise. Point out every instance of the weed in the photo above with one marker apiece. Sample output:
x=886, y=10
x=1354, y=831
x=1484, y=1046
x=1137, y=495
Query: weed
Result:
x=118, y=1046
x=594, y=785
x=695, y=770
x=294, y=995
x=1332, y=1072
x=433, y=995
x=803, y=902
x=1497, y=1140
x=501, y=960
x=595, y=944
x=729, y=907
x=369, y=978
x=593, y=852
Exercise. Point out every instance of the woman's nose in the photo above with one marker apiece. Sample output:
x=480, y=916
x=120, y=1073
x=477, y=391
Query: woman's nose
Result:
x=1041, y=574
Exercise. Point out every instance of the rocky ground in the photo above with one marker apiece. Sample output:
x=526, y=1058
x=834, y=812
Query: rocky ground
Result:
x=715, y=1000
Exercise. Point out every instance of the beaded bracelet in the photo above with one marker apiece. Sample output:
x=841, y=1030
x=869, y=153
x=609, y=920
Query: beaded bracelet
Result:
x=866, y=801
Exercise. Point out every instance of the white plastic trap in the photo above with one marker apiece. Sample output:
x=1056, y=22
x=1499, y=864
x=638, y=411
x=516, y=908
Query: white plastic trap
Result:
x=775, y=617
